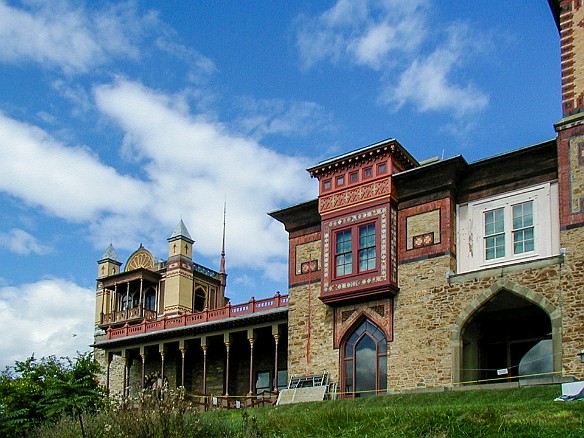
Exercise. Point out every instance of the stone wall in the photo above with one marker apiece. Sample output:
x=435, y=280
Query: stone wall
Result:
x=430, y=309
x=314, y=352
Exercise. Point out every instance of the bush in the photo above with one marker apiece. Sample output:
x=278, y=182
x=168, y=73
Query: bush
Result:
x=36, y=391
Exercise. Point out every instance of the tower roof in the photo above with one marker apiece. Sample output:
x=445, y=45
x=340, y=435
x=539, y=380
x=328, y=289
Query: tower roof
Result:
x=110, y=254
x=181, y=232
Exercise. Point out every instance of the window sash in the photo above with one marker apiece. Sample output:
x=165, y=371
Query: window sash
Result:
x=509, y=230
x=343, y=253
x=355, y=250
x=367, y=248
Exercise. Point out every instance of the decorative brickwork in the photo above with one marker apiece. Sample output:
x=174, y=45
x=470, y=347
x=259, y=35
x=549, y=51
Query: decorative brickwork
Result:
x=328, y=284
x=362, y=193
x=423, y=229
x=377, y=311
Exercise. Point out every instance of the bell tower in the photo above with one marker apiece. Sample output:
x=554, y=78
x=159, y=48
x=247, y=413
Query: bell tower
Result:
x=109, y=264
x=179, y=272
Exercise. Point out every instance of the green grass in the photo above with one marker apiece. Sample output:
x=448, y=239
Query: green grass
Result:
x=519, y=412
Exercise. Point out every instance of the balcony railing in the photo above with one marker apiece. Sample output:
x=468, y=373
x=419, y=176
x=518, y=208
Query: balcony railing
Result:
x=135, y=313
x=148, y=325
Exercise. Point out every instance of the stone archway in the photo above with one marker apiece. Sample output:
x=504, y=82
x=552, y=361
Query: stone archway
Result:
x=518, y=319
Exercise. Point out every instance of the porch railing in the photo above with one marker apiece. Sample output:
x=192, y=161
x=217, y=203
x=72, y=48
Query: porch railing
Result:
x=186, y=319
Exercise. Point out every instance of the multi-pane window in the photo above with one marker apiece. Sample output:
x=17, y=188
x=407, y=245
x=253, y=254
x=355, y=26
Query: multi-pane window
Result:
x=357, y=243
x=344, y=254
x=365, y=361
x=509, y=225
x=521, y=225
x=495, y=234
x=367, y=256
x=523, y=229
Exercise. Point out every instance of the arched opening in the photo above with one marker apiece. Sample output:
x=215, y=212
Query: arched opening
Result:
x=364, y=360
x=199, y=300
x=506, y=331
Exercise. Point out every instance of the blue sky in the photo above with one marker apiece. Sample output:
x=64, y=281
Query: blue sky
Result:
x=119, y=119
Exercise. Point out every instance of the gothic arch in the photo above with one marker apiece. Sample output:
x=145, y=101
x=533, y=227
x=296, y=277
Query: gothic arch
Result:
x=527, y=294
x=364, y=359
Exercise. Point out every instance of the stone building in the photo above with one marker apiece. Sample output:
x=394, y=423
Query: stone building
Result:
x=401, y=274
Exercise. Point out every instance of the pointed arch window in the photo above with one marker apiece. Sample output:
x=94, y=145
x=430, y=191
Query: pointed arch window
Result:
x=365, y=360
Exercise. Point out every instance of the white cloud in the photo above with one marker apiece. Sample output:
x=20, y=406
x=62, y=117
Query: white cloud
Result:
x=191, y=166
x=49, y=317
x=392, y=37
x=269, y=117
x=65, y=35
x=69, y=182
x=200, y=66
x=194, y=165
x=21, y=242
x=428, y=82
x=362, y=32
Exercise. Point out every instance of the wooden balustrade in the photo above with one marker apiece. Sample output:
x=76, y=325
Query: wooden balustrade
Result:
x=150, y=324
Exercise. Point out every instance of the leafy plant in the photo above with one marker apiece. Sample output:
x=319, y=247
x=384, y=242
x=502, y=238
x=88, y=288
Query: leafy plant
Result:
x=35, y=391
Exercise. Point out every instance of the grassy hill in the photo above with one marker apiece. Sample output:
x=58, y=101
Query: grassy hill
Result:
x=518, y=412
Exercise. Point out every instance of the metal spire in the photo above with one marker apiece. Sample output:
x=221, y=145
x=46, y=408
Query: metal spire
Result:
x=222, y=266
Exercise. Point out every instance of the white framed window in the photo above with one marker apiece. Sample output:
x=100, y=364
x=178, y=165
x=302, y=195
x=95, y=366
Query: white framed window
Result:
x=511, y=227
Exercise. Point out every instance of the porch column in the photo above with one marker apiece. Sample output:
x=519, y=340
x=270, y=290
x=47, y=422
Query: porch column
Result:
x=162, y=351
x=276, y=335
x=141, y=300
x=183, y=349
x=251, y=339
x=114, y=300
x=127, y=363
x=204, y=347
x=128, y=300
x=108, y=361
x=227, y=342
x=143, y=353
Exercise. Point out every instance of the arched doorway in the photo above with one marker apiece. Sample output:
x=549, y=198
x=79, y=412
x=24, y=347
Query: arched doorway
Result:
x=364, y=360
x=499, y=334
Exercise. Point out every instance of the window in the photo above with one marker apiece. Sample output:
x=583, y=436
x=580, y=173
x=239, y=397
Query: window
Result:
x=327, y=184
x=150, y=299
x=367, y=255
x=509, y=226
x=263, y=381
x=365, y=360
x=343, y=253
x=381, y=168
x=365, y=248
x=515, y=226
x=523, y=228
x=199, y=302
x=495, y=234
x=368, y=172
x=354, y=177
x=340, y=181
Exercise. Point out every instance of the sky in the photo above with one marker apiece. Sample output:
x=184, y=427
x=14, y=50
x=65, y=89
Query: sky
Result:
x=119, y=119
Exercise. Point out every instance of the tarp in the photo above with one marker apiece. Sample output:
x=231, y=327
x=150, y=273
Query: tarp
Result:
x=572, y=391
